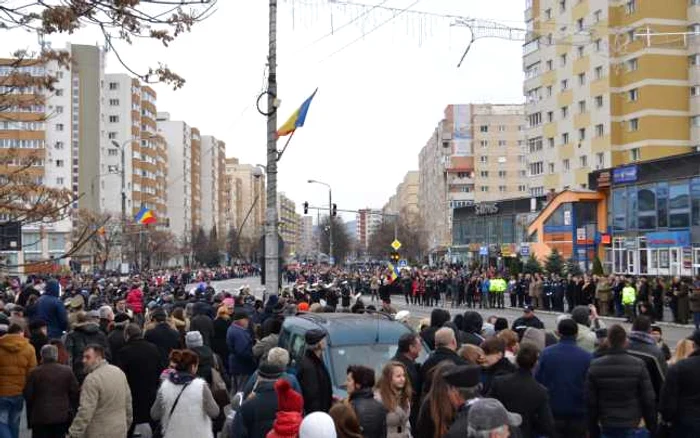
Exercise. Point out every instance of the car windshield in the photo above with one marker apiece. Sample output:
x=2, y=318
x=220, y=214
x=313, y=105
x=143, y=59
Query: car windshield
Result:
x=373, y=356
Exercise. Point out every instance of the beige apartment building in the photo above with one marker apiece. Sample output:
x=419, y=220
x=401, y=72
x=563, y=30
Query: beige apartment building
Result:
x=196, y=178
x=600, y=93
x=246, y=184
x=289, y=224
x=474, y=155
x=405, y=201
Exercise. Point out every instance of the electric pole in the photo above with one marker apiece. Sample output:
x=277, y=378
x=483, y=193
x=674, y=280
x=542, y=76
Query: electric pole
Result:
x=271, y=244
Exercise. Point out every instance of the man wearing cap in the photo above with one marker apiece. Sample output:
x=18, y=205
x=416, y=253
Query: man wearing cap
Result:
x=488, y=418
x=679, y=404
x=257, y=414
x=313, y=375
x=527, y=320
x=464, y=387
x=162, y=335
x=241, y=362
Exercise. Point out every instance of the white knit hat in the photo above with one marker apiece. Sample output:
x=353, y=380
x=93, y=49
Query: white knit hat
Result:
x=317, y=425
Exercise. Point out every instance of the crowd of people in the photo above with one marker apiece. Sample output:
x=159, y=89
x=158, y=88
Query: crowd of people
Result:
x=152, y=356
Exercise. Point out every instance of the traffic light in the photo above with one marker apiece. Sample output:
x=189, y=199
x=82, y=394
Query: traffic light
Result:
x=306, y=208
x=395, y=257
x=334, y=210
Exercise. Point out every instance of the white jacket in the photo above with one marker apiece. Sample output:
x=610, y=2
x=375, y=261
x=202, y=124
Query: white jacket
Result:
x=193, y=412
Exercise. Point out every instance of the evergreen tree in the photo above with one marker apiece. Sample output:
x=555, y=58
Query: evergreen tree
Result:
x=573, y=268
x=199, y=246
x=213, y=256
x=532, y=265
x=554, y=263
x=597, y=267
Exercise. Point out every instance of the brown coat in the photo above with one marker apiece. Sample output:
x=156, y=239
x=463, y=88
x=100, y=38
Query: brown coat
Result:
x=17, y=359
x=105, y=405
x=51, y=394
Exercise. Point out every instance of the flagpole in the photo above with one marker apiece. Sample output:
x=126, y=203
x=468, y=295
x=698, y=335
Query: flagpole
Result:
x=280, y=153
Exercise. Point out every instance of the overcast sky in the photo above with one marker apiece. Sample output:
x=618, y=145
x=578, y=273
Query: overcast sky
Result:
x=378, y=100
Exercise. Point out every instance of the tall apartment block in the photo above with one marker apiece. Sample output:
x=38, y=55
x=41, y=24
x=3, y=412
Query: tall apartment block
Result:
x=368, y=221
x=404, y=202
x=65, y=130
x=196, y=178
x=130, y=114
x=473, y=156
x=248, y=187
x=178, y=137
x=288, y=224
x=213, y=179
x=600, y=94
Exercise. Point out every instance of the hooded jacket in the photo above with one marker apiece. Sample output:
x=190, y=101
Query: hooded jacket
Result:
x=76, y=341
x=473, y=323
x=286, y=425
x=50, y=309
x=17, y=359
x=438, y=317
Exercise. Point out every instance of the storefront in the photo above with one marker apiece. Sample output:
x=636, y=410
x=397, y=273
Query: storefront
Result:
x=488, y=232
x=653, y=216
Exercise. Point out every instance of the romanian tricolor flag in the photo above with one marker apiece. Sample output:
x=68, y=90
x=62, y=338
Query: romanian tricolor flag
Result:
x=145, y=216
x=298, y=118
x=394, y=273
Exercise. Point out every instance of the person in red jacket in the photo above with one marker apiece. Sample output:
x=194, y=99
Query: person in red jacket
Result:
x=290, y=405
x=134, y=301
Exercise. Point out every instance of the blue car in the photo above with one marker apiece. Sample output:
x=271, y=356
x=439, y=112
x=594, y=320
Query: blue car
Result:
x=353, y=339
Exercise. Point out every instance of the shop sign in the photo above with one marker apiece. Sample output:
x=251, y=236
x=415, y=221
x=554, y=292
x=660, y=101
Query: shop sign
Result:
x=525, y=250
x=630, y=243
x=581, y=234
x=485, y=208
x=484, y=250
x=667, y=239
x=506, y=250
x=604, y=179
x=625, y=174
x=567, y=217
x=687, y=258
x=605, y=239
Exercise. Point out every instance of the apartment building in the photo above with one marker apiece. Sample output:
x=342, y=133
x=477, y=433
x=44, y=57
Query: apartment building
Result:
x=63, y=129
x=307, y=244
x=404, y=202
x=196, y=178
x=213, y=182
x=368, y=221
x=599, y=95
x=289, y=224
x=178, y=137
x=131, y=125
x=248, y=184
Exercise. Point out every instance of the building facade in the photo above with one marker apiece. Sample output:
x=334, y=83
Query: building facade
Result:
x=599, y=95
x=196, y=178
x=250, y=199
x=368, y=221
x=404, y=202
x=178, y=137
x=213, y=182
x=289, y=224
x=307, y=244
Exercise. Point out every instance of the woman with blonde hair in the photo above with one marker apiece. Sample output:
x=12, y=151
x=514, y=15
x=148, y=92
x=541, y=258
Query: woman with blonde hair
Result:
x=394, y=391
x=684, y=348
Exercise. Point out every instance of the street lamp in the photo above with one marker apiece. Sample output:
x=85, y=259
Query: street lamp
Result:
x=258, y=172
x=330, y=217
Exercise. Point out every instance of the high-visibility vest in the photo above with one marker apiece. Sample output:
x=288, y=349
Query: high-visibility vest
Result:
x=629, y=295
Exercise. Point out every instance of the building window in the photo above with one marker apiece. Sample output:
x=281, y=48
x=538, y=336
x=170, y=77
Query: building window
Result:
x=483, y=159
x=484, y=143
x=113, y=119
x=695, y=121
x=548, y=14
x=502, y=189
x=59, y=126
x=114, y=85
x=562, y=6
x=679, y=203
x=550, y=142
x=582, y=79
x=549, y=91
x=695, y=90
x=59, y=145
x=501, y=142
x=59, y=92
x=551, y=167
x=580, y=51
x=484, y=128
x=521, y=188
x=112, y=135
x=535, y=119
x=565, y=138
x=582, y=106
x=632, y=64
x=536, y=168
x=60, y=163
x=633, y=95
x=562, y=60
x=501, y=174
x=635, y=154
x=599, y=130
x=484, y=188
x=112, y=152
x=113, y=102
x=550, y=65
x=597, y=16
x=581, y=134
x=583, y=161
x=564, y=112
x=598, y=72
x=567, y=164
x=484, y=173
x=598, y=45
x=631, y=7
x=534, y=144
x=59, y=181
x=633, y=125
x=564, y=84
x=599, y=101
x=579, y=24
x=501, y=128
x=550, y=116
x=59, y=109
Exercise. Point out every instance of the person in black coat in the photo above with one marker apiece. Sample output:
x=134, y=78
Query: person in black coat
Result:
x=313, y=376
x=446, y=347
x=163, y=336
x=619, y=392
x=520, y=393
x=680, y=403
x=496, y=363
x=115, y=338
x=140, y=362
x=472, y=323
x=438, y=317
x=410, y=347
x=257, y=415
x=202, y=322
x=370, y=412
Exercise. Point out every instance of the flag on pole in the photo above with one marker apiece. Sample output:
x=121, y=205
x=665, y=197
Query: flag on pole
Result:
x=145, y=216
x=297, y=119
x=394, y=272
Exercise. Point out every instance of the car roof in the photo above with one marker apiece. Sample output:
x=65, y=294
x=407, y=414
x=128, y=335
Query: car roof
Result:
x=351, y=328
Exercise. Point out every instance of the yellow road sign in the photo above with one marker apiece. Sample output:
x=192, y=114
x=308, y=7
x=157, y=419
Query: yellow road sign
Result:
x=396, y=244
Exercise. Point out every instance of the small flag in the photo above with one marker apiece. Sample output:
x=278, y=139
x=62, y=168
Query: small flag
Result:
x=394, y=272
x=145, y=216
x=297, y=119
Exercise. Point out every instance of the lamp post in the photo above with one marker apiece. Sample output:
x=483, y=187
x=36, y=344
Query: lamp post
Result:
x=330, y=217
x=257, y=173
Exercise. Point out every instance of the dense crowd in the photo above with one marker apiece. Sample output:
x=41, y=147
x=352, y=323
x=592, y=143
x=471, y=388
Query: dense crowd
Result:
x=151, y=356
